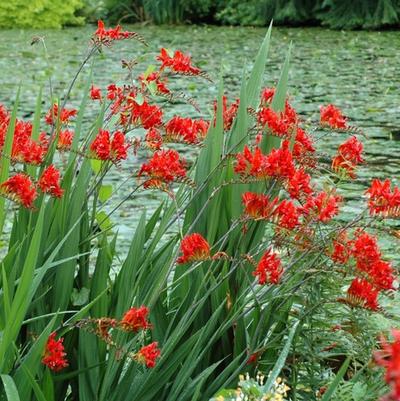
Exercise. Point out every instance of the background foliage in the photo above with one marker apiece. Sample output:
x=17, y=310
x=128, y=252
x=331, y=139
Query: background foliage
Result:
x=39, y=13
x=337, y=14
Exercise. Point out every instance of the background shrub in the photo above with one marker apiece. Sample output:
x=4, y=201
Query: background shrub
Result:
x=39, y=13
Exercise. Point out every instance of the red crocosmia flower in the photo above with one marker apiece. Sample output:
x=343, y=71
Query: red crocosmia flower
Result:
x=362, y=293
x=19, y=188
x=368, y=260
x=101, y=145
x=113, y=91
x=164, y=167
x=323, y=206
x=267, y=95
x=179, y=63
x=160, y=85
x=250, y=164
x=112, y=148
x=303, y=149
x=253, y=358
x=153, y=139
x=54, y=354
x=24, y=148
x=148, y=355
x=108, y=35
x=383, y=200
x=332, y=116
x=365, y=249
x=279, y=163
x=269, y=268
x=49, y=182
x=149, y=116
x=351, y=150
x=119, y=147
x=95, y=93
x=348, y=157
x=44, y=140
x=290, y=114
x=185, y=129
x=298, y=185
x=228, y=112
x=381, y=274
x=389, y=358
x=65, y=140
x=341, y=249
x=258, y=206
x=194, y=248
x=65, y=115
x=135, y=319
x=287, y=215
x=4, y=114
x=275, y=122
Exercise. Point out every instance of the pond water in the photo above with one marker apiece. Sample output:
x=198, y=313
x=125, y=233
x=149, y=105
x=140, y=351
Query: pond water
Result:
x=358, y=71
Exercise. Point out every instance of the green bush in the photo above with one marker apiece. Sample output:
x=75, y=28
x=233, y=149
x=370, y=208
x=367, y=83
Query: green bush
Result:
x=39, y=13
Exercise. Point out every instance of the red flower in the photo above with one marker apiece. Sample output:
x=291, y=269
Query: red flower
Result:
x=194, y=248
x=362, y=293
x=148, y=355
x=108, y=35
x=348, y=157
x=150, y=116
x=118, y=147
x=332, y=116
x=323, y=206
x=65, y=115
x=228, y=113
x=368, y=260
x=95, y=93
x=389, y=358
x=381, y=274
x=287, y=215
x=278, y=163
x=383, y=200
x=24, y=148
x=49, y=182
x=269, y=269
x=267, y=95
x=54, y=355
x=258, y=206
x=341, y=249
x=298, y=185
x=113, y=91
x=253, y=358
x=160, y=86
x=101, y=145
x=274, y=121
x=19, y=188
x=135, y=319
x=186, y=129
x=365, y=249
x=153, y=139
x=65, y=140
x=106, y=148
x=250, y=164
x=303, y=148
x=179, y=63
x=164, y=167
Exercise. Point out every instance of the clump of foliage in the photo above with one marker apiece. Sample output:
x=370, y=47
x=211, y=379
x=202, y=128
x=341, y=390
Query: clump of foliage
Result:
x=39, y=13
x=245, y=264
x=335, y=14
